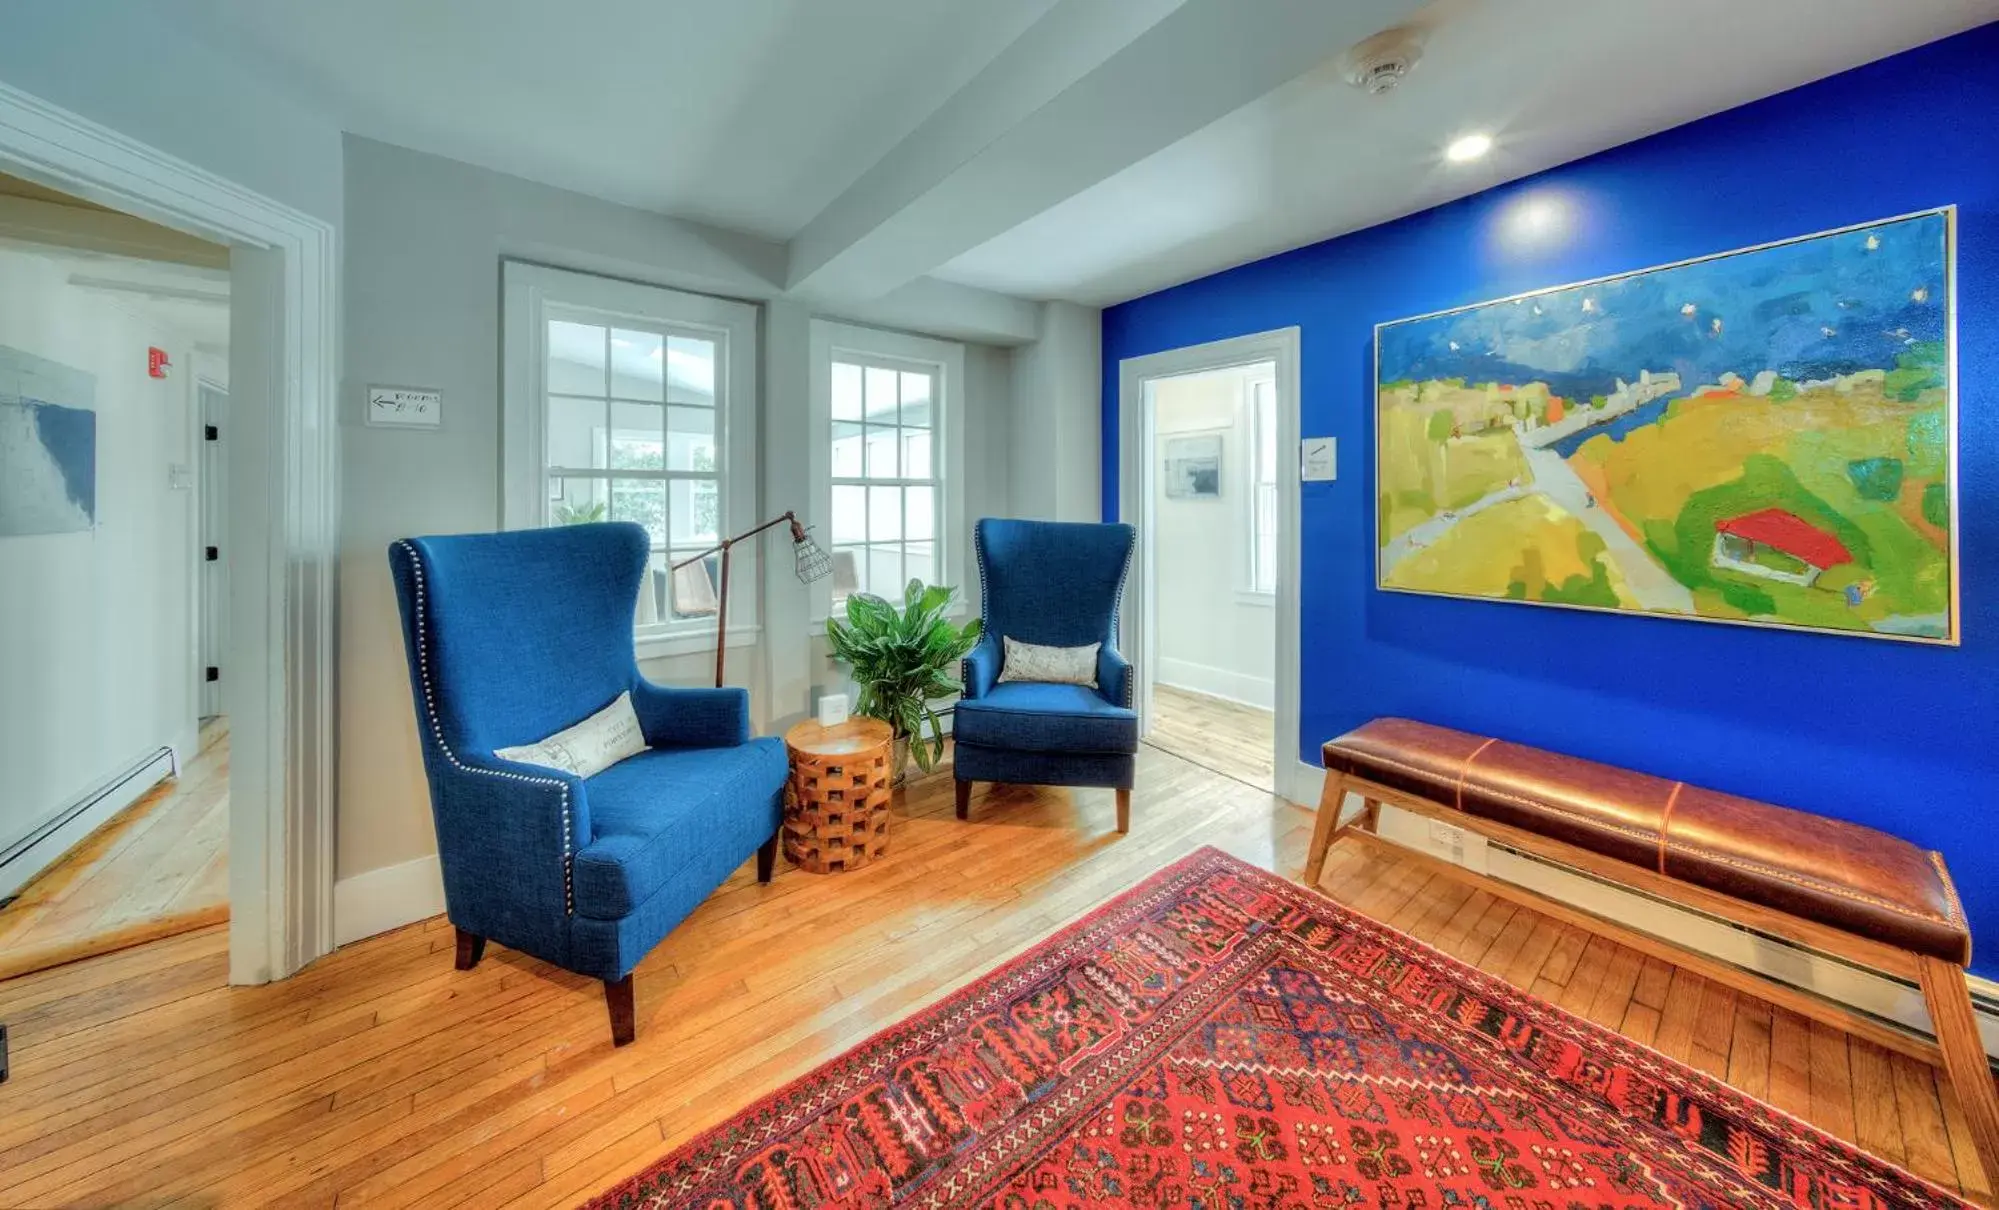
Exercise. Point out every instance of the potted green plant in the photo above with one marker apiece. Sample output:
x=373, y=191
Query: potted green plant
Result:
x=903, y=659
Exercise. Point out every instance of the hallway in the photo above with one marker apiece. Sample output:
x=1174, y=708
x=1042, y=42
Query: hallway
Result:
x=1230, y=738
x=157, y=869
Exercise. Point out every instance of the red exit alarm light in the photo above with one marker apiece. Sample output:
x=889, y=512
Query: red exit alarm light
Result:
x=157, y=364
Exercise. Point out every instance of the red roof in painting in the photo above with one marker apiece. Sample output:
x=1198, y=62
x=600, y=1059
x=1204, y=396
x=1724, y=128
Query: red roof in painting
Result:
x=1789, y=533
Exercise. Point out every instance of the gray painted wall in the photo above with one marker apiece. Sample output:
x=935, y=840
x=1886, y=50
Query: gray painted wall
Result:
x=1057, y=430
x=129, y=67
x=424, y=241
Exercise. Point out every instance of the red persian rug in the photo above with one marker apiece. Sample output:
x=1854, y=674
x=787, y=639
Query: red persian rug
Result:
x=1220, y=1037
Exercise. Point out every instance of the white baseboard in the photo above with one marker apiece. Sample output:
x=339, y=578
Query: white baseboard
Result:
x=1258, y=691
x=379, y=900
x=1889, y=999
x=105, y=800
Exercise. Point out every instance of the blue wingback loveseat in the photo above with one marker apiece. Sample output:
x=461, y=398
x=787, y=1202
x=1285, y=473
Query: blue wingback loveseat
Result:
x=512, y=637
x=1056, y=584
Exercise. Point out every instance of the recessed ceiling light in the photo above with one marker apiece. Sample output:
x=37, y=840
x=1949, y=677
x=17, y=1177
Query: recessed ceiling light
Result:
x=1468, y=148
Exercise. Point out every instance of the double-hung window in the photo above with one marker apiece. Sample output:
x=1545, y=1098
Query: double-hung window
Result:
x=1262, y=409
x=634, y=403
x=886, y=457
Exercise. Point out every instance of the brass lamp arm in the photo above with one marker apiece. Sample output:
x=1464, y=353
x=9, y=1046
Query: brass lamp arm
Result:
x=798, y=539
x=797, y=535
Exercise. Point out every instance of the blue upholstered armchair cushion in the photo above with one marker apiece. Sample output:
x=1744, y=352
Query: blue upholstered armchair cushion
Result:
x=512, y=637
x=1057, y=584
x=660, y=811
x=1034, y=717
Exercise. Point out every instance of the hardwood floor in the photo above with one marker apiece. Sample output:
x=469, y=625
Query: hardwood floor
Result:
x=157, y=868
x=381, y=1076
x=1228, y=737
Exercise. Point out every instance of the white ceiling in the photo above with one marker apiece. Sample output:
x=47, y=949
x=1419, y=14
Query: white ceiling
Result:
x=1090, y=150
x=1551, y=80
x=747, y=114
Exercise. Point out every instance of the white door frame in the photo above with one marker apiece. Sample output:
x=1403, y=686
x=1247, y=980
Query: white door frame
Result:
x=283, y=511
x=1135, y=484
x=211, y=612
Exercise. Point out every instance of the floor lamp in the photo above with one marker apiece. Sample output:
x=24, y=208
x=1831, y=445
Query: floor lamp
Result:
x=808, y=560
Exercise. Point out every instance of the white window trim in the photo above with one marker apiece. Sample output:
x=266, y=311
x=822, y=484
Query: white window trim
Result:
x=947, y=358
x=529, y=291
x=1247, y=592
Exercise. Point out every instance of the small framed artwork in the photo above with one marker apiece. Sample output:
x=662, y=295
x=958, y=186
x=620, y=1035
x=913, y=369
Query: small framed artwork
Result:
x=1194, y=466
x=405, y=408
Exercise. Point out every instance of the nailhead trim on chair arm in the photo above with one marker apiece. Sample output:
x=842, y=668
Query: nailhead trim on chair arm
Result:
x=437, y=730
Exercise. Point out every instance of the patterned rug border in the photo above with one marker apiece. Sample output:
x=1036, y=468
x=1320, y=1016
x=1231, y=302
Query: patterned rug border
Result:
x=1556, y=1019
x=877, y=1049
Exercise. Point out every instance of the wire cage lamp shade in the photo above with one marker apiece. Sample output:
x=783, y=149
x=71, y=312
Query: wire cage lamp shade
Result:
x=809, y=560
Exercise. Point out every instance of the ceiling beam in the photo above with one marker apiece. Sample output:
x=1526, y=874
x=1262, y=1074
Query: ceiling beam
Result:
x=946, y=309
x=215, y=296
x=1090, y=89
x=93, y=229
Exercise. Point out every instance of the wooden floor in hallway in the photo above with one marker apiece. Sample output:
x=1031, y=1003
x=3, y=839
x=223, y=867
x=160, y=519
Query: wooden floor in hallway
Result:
x=1228, y=737
x=380, y=1076
x=158, y=868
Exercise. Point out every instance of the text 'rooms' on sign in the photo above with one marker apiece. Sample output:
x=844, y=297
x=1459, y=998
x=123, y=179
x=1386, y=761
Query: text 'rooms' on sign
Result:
x=405, y=407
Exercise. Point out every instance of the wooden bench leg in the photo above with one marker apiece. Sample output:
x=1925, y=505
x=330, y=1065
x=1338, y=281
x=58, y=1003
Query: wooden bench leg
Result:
x=964, y=799
x=1949, y=999
x=471, y=948
x=1124, y=811
x=1324, y=827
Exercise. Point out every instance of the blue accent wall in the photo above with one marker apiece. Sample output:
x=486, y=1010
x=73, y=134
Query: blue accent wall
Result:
x=1898, y=736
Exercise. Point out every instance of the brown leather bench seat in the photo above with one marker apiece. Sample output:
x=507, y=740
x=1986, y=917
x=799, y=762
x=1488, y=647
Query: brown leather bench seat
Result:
x=1835, y=873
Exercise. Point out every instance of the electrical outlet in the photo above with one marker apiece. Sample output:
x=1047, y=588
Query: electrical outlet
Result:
x=1448, y=840
x=1459, y=846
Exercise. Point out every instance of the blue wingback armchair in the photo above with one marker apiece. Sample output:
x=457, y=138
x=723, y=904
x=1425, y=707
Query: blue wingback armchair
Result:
x=512, y=637
x=1056, y=584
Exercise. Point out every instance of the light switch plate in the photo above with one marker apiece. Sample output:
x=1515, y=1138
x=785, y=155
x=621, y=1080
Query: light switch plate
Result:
x=1319, y=459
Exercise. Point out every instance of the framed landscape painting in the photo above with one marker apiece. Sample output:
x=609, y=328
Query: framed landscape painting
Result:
x=1766, y=436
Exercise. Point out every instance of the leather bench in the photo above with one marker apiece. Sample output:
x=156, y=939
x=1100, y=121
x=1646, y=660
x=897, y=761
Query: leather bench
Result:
x=1822, y=883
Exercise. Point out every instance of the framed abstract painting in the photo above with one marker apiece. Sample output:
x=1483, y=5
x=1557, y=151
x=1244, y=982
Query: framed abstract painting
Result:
x=48, y=446
x=1766, y=436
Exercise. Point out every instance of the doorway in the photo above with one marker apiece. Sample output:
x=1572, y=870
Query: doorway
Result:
x=282, y=507
x=1209, y=476
x=114, y=789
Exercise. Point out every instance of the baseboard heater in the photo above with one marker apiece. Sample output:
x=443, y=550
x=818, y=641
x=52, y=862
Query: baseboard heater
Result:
x=24, y=858
x=1905, y=1021
x=1884, y=998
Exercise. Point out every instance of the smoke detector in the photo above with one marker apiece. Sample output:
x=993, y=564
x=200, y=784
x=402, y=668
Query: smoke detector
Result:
x=1379, y=63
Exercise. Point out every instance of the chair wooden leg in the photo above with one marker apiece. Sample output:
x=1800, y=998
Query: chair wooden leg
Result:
x=964, y=800
x=1324, y=827
x=1949, y=999
x=624, y=1020
x=767, y=858
x=471, y=948
x=1124, y=810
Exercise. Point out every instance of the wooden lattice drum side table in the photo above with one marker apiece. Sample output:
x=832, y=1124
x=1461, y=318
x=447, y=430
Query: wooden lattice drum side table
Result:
x=836, y=804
